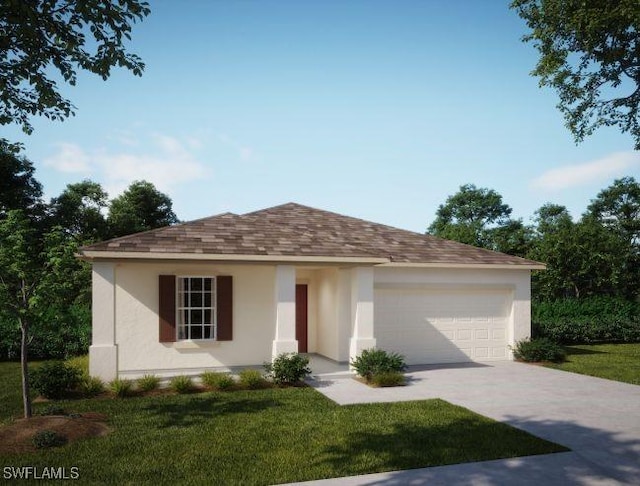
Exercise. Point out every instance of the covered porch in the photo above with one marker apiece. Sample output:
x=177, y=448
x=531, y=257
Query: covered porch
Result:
x=326, y=311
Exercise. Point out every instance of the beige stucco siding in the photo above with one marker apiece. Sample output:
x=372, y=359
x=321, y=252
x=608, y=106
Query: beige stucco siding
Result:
x=139, y=350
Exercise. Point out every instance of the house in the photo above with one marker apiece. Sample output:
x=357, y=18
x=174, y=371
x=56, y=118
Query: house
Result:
x=235, y=290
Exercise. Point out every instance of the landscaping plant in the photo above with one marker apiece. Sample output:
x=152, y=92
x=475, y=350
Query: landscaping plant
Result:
x=539, y=349
x=387, y=378
x=148, y=383
x=121, y=387
x=215, y=380
x=373, y=362
x=251, y=379
x=54, y=379
x=182, y=384
x=90, y=386
x=48, y=438
x=288, y=369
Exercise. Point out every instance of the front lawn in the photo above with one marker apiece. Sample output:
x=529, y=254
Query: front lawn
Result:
x=270, y=436
x=620, y=362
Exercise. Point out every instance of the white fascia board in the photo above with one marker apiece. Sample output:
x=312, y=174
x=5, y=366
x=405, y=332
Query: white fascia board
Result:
x=89, y=255
x=483, y=266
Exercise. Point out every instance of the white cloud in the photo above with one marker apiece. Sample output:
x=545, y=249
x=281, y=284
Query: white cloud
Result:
x=70, y=158
x=163, y=160
x=597, y=170
x=244, y=152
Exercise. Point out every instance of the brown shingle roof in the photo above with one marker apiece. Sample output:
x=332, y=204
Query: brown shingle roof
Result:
x=299, y=231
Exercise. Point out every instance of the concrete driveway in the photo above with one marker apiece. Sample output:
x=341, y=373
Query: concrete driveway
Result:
x=599, y=420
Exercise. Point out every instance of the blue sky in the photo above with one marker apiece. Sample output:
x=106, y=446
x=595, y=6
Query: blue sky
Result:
x=375, y=109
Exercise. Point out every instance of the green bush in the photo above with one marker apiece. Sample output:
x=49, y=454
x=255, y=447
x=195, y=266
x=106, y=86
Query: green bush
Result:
x=182, y=384
x=288, y=369
x=539, y=349
x=90, y=386
x=148, y=383
x=251, y=379
x=588, y=320
x=80, y=363
x=217, y=381
x=387, y=378
x=121, y=387
x=48, y=438
x=376, y=361
x=54, y=379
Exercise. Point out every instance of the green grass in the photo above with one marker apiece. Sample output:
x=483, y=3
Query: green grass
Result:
x=270, y=436
x=620, y=362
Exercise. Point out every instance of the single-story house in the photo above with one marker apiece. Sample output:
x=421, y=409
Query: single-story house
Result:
x=236, y=290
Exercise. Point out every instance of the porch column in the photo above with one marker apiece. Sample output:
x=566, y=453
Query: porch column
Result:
x=103, y=352
x=362, y=336
x=285, y=297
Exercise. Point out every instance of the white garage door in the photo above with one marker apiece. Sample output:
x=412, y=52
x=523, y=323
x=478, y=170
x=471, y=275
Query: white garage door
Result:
x=443, y=325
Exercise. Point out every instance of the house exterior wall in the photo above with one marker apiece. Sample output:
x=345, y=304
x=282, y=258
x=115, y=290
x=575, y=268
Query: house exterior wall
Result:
x=515, y=280
x=136, y=320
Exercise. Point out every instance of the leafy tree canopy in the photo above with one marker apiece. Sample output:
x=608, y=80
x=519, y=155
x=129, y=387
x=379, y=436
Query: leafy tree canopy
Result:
x=590, y=54
x=477, y=216
x=44, y=41
x=78, y=210
x=18, y=187
x=618, y=208
x=140, y=208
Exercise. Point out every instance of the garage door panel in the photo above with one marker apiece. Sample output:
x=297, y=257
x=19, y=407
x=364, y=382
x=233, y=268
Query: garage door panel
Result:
x=443, y=326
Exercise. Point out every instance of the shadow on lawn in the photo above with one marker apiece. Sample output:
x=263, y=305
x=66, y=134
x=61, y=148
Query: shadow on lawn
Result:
x=572, y=350
x=604, y=457
x=187, y=414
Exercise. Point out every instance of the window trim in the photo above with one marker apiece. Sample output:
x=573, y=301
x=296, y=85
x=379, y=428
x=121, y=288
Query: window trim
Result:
x=213, y=308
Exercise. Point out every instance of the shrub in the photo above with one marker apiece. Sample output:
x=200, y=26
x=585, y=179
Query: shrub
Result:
x=288, y=369
x=48, y=438
x=387, y=378
x=181, y=384
x=79, y=363
x=148, y=383
x=251, y=379
x=217, y=381
x=90, y=386
x=121, y=388
x=375, y=361
x=52, y=410
x=539, y=349
x=587, y=320
x=54, y=379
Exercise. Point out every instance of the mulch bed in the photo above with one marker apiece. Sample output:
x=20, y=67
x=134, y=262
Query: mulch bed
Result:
x=15, y=438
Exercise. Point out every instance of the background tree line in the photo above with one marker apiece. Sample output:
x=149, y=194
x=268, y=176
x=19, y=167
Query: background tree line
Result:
x=42, y=284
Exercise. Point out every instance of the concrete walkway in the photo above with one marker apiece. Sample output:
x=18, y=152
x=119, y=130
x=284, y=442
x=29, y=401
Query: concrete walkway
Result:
x=599, y=420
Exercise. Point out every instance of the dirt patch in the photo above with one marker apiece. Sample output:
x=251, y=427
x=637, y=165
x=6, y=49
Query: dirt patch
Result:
x=15, y=438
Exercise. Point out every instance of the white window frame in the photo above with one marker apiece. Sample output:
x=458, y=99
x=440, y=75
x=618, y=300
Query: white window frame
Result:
x=180, y=307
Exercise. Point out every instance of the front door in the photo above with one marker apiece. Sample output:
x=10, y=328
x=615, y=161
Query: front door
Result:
x=301, y=317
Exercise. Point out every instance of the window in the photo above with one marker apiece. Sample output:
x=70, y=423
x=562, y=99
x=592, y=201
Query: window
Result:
x=196, y=308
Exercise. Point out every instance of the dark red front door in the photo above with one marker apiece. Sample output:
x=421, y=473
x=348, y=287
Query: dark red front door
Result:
x=301, y=317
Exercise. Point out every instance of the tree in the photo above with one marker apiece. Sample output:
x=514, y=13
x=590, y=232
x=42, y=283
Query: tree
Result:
x=18, y=187
x=590, y=54
x=583, y=258
x=477, y=216
x=140, y=208
x=78, y=210
x=618, y=208
x=19, y=274
x=45, y=38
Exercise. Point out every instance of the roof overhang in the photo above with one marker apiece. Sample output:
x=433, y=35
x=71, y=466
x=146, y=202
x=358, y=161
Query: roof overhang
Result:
x=91, y=256
x=477, y=266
